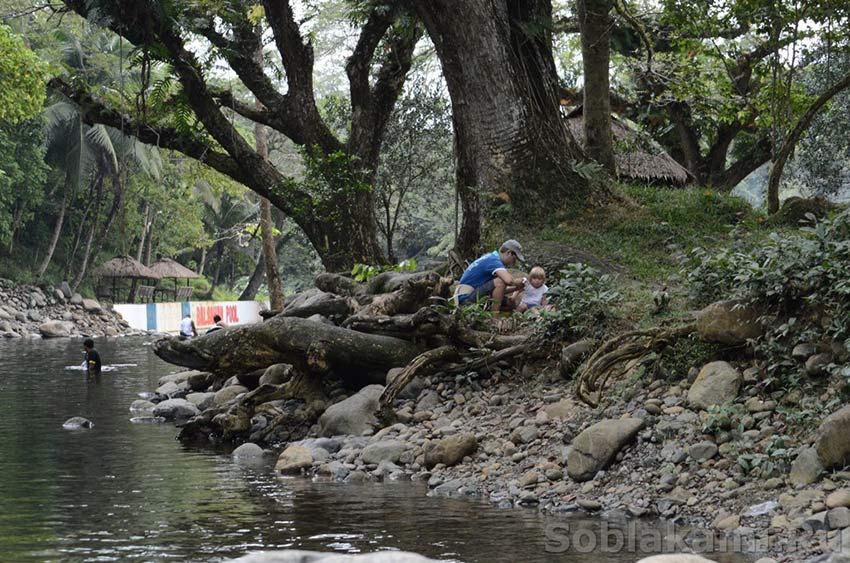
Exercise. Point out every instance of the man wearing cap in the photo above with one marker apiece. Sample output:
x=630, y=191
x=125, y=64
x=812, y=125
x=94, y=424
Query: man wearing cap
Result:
x=488, y=275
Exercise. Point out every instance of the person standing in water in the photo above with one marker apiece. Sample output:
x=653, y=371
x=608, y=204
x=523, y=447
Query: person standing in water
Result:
x=93, y=364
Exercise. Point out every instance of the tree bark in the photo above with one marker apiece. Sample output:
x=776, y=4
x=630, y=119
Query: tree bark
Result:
x=595, y=24
x=98, y=199
x=256, y=280
x=792, y=139
x=312, y=347
x=511, y=140
x=57, y=228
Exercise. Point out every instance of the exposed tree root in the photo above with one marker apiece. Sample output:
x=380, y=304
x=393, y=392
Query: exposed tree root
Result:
x=611, y=358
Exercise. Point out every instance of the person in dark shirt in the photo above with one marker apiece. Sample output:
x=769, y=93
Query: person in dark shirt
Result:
x=219, y=324
x=92, y=357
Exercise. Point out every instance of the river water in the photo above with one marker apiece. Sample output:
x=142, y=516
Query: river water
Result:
x=131, y=492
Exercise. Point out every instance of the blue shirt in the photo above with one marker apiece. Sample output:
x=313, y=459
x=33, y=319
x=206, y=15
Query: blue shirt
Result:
x=482, y=270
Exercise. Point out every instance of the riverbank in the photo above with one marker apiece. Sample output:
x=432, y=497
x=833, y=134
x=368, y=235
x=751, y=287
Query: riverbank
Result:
x=514, y=437
x=30, y=311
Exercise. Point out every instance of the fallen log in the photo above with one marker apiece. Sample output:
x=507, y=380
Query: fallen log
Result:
x=312, y=347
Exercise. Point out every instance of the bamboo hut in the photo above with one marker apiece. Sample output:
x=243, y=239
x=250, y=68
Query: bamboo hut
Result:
x=123, y=268
x=171, y=269
x=636, y=155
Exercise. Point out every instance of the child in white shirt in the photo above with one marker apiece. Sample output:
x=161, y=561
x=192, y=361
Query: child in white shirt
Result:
x=533, y=295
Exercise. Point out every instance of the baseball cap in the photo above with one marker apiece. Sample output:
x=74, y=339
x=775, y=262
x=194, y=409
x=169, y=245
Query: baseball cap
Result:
x=514, y=246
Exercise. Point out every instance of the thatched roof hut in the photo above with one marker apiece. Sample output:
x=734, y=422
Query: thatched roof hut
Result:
x=636, y=155
x=125, y=267
x=168, y=268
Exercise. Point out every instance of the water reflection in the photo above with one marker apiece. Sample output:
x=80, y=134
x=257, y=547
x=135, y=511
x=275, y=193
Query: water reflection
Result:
x=131, y=492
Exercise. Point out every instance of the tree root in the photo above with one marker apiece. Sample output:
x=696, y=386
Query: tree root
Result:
x=610, y=359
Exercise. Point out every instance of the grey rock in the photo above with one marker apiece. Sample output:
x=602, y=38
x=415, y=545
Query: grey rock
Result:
x=91, y=306
x=838, y=518
x=276, y=374
x=833, y=447
x=77, y=422
x=524, y=434
x=595, y=448
x=717, y=383
x=141, y=405
x=248, y=451
x=354, y=415
x=294, y=459
x=384, y=450
x=175, y=409
x=412, y=389
x=56, y=329
x=703, y=451
x=203, y=401
x=428, y=400
x=728, y=322
x=817, y=364
x=76, y=299
x=804, y=350
x=451, y=450
x=227, y=394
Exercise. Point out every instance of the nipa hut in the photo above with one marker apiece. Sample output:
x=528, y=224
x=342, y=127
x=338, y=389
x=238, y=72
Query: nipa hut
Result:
x=122, y=268
x=637, y=156
x=171, y=269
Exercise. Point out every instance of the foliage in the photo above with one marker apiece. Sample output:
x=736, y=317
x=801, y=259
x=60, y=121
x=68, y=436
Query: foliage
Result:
x=22, y=175
x=800, y=280
x=583, y=302
x=685, y=353
x=22, y=75
x=365, y=272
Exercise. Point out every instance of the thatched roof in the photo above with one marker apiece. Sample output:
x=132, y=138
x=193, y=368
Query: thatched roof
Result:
x=168, y=268
x=636, y=155
x=125, y=267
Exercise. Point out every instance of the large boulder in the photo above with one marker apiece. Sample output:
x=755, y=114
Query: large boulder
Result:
x=717, y=383
x=294, y=459
x=299, y=556
x=56, y=329
x=91, y=306
x=595, y=448
x=450, y=450
x=832, y=444
x=354, y=415
x=807, y=467
x=175, y=409
x=412, y=389
x=728, y=322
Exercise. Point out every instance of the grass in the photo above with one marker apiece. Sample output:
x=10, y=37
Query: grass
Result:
x=648, y=236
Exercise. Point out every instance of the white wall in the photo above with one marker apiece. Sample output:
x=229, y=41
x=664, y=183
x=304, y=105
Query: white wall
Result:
x=166, y=317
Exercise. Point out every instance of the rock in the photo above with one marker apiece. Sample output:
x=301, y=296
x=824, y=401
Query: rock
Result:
x=300, y=556
x=675, y=558
x=56, y=329
x=385, y=450
x=451, y=450
x=428, y=400
x=76, y=299
x=717, y=383
x=76, y=423
x=91, y=306
x=203, y=401
x=524, y=434
x=141, y=405
x=571, y=354
x=66, y=290
x=248, y=450
x=807, y=467
x=702, y=451
x=170, y=389
x=832, y=445
x=840, y=497
x=175, y=409
x=276, y=374
x=595, y=448
x=354, y=415
x=838, y=518
x=565, y=408
x=817, y=364
x=728, y=322
x=411, y=390
x=294, y=459
x=728, y=522
x=227, y=394
x=804, y=350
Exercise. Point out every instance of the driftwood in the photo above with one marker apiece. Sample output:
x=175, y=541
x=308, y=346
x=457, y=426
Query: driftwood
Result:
x=611, y=357
x=312, y=347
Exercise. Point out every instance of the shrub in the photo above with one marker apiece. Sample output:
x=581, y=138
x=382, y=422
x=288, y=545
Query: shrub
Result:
x=582, y=301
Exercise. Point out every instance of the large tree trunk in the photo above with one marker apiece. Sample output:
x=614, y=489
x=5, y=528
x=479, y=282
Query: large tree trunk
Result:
x=273, y=280
x=255, y=281
x=511, y=138
x=310, y=346
x=595, y=24
x=792, y=139
x=98, y=199
x=57, y=228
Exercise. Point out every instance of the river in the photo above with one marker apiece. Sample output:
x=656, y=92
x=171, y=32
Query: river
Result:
x=130, y=492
